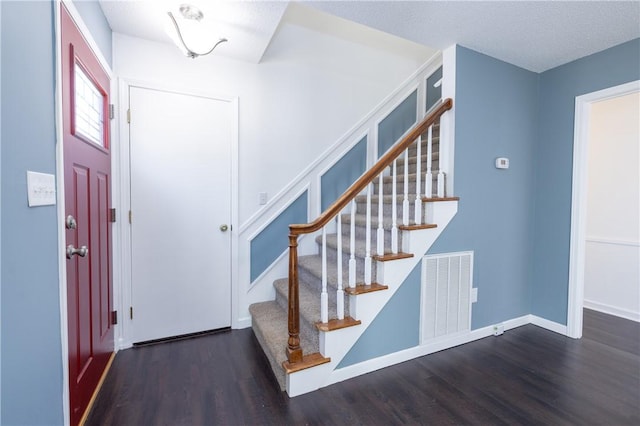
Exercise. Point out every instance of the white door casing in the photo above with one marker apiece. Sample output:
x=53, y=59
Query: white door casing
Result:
x=180, y=180
x=579, y=200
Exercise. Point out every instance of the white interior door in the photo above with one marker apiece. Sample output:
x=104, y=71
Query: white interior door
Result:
x=180, y=150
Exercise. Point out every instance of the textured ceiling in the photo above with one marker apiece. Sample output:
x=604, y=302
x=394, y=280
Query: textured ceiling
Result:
x=536, y=35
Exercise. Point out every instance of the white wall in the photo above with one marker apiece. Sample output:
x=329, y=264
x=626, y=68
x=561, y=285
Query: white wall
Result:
x=612, y=275
x=318, y=77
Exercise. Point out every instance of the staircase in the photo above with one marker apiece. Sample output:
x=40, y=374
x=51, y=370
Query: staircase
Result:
x=381, y=228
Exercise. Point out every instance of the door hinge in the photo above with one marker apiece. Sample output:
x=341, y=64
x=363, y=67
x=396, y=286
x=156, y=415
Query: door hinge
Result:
x=130, y=312
x=128, y=116
x=114, y=317
x=130, y=216
x=112, y=112
x=112, y=215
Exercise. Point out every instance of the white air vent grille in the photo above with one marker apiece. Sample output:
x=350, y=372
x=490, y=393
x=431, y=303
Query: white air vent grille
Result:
x=446, y=294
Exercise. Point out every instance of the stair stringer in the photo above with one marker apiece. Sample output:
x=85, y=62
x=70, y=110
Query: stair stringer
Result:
x=365, y=307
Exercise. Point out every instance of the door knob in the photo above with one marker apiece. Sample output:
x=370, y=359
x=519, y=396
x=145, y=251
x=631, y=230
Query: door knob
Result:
x=70, y=222
x=224, y=228
x=71, y=251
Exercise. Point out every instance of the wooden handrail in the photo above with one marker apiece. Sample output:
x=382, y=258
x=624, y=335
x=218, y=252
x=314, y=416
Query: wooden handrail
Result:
x=364, y=180
x=294, y=351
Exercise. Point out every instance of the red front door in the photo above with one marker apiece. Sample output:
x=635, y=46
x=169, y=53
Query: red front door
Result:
x=87, y=170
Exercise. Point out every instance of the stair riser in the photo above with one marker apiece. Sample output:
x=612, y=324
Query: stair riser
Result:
x=388, y=187
x=306, y=328
x=435, y=147
x=314, y=281
x=413, y=167
x=360, y=234
x=361, y=207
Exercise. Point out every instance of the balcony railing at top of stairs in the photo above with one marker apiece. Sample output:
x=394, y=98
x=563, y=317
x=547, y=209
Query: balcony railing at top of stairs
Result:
x=333, y=212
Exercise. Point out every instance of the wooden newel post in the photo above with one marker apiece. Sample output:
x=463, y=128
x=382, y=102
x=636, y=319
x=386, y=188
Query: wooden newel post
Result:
x=294, y=351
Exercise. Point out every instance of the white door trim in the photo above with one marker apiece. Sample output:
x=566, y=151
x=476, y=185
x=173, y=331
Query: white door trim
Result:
x=579, y=200
x=62, y=272
x=122, y=187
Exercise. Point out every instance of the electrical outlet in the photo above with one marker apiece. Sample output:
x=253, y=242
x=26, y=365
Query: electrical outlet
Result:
x=474, y=294
x=498, y=329
x=262, y=198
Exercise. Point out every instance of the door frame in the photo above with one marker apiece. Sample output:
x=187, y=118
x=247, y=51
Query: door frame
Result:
x=579, y=199
x=60, y=195
x=122, y=293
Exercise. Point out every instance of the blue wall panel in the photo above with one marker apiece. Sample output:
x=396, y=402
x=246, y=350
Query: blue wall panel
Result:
x=397, y=327
x=554, y=165
x=343, y=174
x=31, y=340
x=94, y=19
x=496, y=115
x=273, y=240
x=397, y=123
x=433, y=93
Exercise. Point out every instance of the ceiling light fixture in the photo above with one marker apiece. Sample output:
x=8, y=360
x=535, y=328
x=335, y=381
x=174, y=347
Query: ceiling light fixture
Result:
x=192, y=15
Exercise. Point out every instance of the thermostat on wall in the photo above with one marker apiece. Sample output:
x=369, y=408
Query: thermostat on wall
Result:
x=502, y=163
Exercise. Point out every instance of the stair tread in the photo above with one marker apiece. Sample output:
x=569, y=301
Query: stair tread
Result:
x=337, y=324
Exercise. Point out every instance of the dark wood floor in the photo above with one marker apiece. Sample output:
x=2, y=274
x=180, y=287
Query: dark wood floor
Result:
x=526, y=376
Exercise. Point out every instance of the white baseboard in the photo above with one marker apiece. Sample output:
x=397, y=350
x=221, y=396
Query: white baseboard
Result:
x=432, y=346
x=612, y=310
x=239, y=323
x=547, y=324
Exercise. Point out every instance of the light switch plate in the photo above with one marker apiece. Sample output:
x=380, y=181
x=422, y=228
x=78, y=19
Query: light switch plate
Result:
x=41, y=189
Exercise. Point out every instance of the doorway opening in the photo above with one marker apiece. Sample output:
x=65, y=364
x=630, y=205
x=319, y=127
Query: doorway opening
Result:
x=579, y=204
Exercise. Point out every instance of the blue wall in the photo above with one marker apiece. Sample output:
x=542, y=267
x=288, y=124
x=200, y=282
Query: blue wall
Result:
x=398, y=322
x=496, y=116
x=554, y=165
x=94, y=19
x=433, y=93
x=397, y=122
x=31, y=386
x=343, y=174
x=31, y=348
x=273, y=240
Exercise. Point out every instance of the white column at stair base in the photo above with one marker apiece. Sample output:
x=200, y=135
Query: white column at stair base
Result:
x=305, y=381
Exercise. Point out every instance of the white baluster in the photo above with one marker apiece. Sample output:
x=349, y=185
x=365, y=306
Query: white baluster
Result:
x=352, y=246
x=428, y=179
x=394, y=211
x=367, y=257
x=405, y=200
x=324, y=296
x=443, y=159
x=441, y=193
x=380, y=235
x=418, y=202
x=340, y=291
